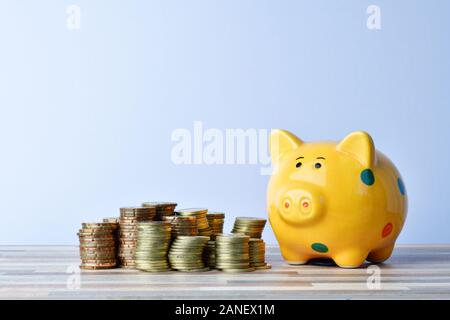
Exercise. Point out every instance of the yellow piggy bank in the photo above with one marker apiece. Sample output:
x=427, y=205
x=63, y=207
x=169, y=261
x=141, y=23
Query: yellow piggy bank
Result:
x=340, y=200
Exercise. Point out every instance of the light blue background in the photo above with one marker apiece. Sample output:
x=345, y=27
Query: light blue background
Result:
x=87, y=116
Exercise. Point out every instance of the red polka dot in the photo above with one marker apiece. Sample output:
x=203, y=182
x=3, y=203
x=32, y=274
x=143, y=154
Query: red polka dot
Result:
x=286, y=204
x=387, y=230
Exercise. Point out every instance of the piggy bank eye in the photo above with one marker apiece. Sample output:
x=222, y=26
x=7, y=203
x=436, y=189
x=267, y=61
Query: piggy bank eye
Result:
x=317, y=165
x=298, y=165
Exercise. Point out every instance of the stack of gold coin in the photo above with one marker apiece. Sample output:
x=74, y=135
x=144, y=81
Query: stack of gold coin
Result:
x=182, y=226
x=153, y=241
x=202, y=222
x=209, y=255
x=163, y=209
x=253, y=227
x=115, y=220
x=98, y=245
x=257, y=253
x=215, y=221
x=186, y=253
x=129, y=218
x=232, y=253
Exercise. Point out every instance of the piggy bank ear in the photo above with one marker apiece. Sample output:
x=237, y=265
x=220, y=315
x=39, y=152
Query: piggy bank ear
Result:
x=359, y=144
x=281, y=142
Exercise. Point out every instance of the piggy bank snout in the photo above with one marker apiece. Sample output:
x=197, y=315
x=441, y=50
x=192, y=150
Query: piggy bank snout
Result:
x=298, y=206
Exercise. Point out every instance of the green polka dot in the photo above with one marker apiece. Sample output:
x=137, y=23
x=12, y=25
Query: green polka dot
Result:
x=401, y=186
x=319, y=247
x=367, y=177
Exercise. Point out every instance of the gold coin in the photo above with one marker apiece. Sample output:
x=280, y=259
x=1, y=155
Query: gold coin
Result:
x=154, y=270
x=140, y=213
x=192, y=211
x=159, y=204
x=98, y=236
x=98, y=261
x=238, y=270
x=251, y=220
x=97, y=267
x=196, y=270
x=215, y=215
x=96, y=245
x=98, y=225
x=97, y=231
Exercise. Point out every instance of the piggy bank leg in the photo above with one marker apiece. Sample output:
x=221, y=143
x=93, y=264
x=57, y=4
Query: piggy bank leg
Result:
x=292, y=257
x=351, y=258
x=380, y=255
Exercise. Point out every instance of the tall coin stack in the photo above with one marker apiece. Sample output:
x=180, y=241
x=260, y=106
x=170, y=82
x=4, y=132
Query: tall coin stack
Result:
x=153, y=241
x=253, y=227
x=209, y=255
x=232, y=253
x=257, y=254
x=186, y=253
x=202, y=222
x=215, y=221
x=163, y=209
x=98, y=246
x=182, y=226
x=129, y=218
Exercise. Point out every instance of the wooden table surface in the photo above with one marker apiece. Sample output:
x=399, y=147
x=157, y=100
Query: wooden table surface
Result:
x=51, y=272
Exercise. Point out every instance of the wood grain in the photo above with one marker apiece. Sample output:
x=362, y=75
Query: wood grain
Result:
x=51, y=272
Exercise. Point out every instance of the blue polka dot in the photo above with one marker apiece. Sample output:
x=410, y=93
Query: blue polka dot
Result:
x=367, y=177
x=401, y=186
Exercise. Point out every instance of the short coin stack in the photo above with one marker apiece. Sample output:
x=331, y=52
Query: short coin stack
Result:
x=202, y=222
x=153, y=241
x=116, y=222
x=112, y=220
x=182, y=226
x=186, y=253
x=232, y=253
x=257, y=253
x=209, y=255
x=163, y=209
x=129, y=218
x=215, y=221
x=98, y=246
x=253, y=227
